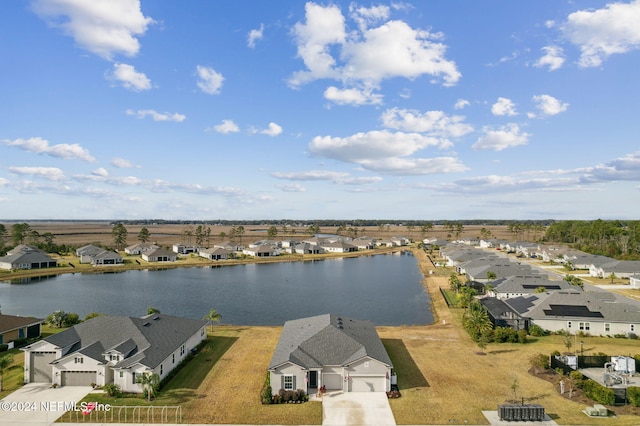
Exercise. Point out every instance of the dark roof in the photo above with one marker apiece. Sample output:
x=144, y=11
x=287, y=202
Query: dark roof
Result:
x=149, y=339
x=328, y=340
x=12, y=322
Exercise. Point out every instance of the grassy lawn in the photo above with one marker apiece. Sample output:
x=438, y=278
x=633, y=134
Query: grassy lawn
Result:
x=13, y=377
x=222, y=384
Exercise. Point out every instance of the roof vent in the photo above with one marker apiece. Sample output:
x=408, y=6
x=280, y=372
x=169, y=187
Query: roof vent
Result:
x=146, y=324
x=156, y=318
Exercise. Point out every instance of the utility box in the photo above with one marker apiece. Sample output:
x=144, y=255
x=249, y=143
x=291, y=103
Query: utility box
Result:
x=623, y=364
x=518, y=412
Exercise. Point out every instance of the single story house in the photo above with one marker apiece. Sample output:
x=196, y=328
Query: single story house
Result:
x=86, y=253
x=215, y=253
x=363, y=243
x=107, y=257
x=27, y=258
x=262, y=251
x=503, y=315
x=596, y=313
x=620, y=268
x=520, y=285
x=306, y=248
x=331, y=351
x=141, y=248
x=15, y=327
x=634, y=281
x=116, y=350
x=159, y=255
x=502, y=269
x=230, y=245
x=339, y=247
x=184, y=249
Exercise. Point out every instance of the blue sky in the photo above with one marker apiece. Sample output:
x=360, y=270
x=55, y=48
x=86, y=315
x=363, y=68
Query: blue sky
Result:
x=124, y=109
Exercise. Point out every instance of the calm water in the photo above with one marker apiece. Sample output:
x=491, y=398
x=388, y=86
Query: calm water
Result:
x=385, y=289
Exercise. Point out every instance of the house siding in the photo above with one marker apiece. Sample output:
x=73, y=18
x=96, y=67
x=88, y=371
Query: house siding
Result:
x=288, y=369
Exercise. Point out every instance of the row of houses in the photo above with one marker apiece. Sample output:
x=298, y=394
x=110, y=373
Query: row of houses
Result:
x=518, y=296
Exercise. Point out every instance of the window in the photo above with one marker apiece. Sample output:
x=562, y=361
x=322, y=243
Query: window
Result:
x=133, y=377
x=161, y=369
x=202, y=332
x=114, y=357
x=607, y=328
x=78, y=360
x=568, y=324
x=173, y=358
x=288, y=382
x=585, y=326
x=121, y=374
x=632, y=327
x=181, y=350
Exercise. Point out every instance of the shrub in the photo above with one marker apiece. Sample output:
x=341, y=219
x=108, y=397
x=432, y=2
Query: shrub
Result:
x=633, y=393
x=536, y=330
x=577, y=378
x=555, y=353
x=598, y=393
x=4, y=347
x=18, y=343
x=522, y=336
x=112, y=389
x=540, y=361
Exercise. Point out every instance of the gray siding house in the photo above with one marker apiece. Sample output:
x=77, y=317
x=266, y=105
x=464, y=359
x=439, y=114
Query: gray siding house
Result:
x=331, y=351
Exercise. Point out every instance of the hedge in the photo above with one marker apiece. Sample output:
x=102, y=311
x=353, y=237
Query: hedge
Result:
x=633, y=393
x=598, y=393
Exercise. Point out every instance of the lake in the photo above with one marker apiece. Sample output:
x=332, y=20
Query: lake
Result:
x=385, y=289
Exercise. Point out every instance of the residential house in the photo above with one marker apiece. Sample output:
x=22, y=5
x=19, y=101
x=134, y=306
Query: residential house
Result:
x=261, y=251
x=159, y=255
x=15, y=327
x=596, y=313
x=184, y=249
x=619, y=268
x=27, y=258
x=503, y=315
x=339, y=247
x=331, y=351
x=86, y=253
x=231, y=246
x=586, y=261
x=140, y=248
x=215, y=253
x=502, y=269
x=306, y=248
x=363, y=243
x=107, y=257
x=106, y=350
x=520, y=285
x=490, y=258
x=634, y=281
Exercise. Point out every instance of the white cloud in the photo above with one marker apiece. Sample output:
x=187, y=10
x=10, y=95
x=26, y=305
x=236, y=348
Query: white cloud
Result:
x=549, y=105
x=50, y=173
x=621, y=169
x=122, y=163
x=504, y=106
x=272, y=130
x=101, y=171
x=367, y=16
x=553, y=58
x=504, y=184
x=461, y=103
x=291, y=187
x=415, y=166
x=369, y=146
x=604, y=32
x=209, y=81
x=434, y=123
x=103, y=27
x=156, y=116
x=227, y=126
x=505, y=137
x=38, y=145
x=312, y=175
x=130, y=78
x=367, y=55
x=352, y=96
x=360, y=180
x=255, y=35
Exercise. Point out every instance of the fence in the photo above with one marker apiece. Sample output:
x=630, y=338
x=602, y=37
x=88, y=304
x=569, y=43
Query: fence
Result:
x=127, y=414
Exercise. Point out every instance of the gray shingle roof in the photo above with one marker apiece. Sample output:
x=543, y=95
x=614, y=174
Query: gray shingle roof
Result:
x=328, y=340
x=149, y=340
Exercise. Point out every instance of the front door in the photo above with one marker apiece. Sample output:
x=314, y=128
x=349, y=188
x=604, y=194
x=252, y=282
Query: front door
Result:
x=313, y=379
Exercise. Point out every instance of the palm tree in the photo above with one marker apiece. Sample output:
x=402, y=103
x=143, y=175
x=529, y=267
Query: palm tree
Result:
x=454, y=282
x=149, y=382
x=214, y=316
x=477, y=321
x=5, y=362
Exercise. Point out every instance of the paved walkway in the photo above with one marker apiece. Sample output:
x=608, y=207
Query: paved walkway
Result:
x=356, y=408
x=37, y=404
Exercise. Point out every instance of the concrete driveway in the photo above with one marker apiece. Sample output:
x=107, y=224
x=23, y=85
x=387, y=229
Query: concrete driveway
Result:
x=356, y=408
x=37, y=404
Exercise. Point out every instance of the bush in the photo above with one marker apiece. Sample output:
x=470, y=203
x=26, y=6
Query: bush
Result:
x=18, y=343
x=633, y=393
x=598, y=393
x=4, y=347
x=112, y=389
x=536, y=330
x=540, y=361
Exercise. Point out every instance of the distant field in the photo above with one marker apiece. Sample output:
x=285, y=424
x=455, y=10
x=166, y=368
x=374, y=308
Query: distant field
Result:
x=77, y=234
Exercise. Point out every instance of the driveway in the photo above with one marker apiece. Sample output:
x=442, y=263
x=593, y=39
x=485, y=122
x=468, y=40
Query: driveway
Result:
x=356, y=408
x=37, y=404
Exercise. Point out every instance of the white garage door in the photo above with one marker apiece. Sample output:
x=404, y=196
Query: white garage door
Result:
x=367, y=384
x=78, y=378
x=332, y=381
x=40, y=368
